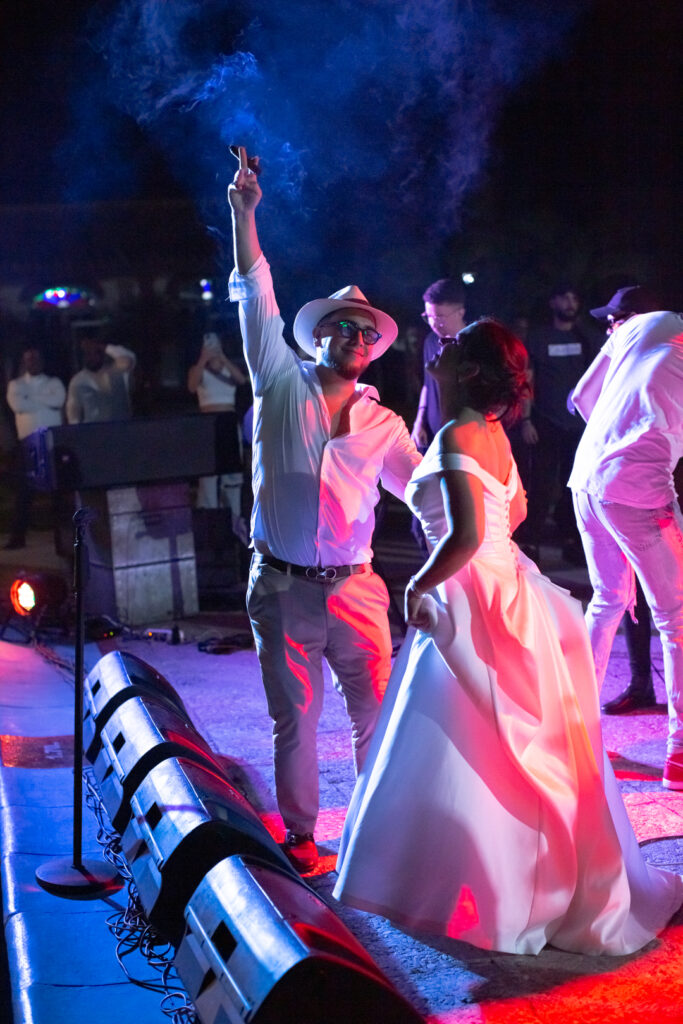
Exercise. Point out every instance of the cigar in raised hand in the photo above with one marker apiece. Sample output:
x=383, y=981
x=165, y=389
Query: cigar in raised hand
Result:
x=252, y=163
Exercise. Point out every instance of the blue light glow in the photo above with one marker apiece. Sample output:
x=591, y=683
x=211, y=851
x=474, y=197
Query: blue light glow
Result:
x=373, y=121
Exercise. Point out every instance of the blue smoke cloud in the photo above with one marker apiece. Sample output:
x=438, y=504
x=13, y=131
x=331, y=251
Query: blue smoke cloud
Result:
x=373, y=120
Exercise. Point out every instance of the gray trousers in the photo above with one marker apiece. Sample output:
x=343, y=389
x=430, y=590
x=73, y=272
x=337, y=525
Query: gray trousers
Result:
x=296, y=622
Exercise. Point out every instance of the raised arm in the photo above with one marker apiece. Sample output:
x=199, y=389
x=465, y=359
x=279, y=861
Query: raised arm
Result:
x=234, y=371
x=194, y=374
x=244, y=195
x=267, y=353
x=124, y=359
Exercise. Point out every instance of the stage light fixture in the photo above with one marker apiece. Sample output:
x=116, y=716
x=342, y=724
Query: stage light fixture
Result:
x=63, y=297
x=22, y=596
x=39, y=598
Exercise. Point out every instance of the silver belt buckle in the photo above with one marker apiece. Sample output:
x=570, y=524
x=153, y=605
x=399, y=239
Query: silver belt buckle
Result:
x=323, y=575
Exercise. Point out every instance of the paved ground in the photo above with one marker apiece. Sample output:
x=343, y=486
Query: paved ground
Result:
x=62, y=963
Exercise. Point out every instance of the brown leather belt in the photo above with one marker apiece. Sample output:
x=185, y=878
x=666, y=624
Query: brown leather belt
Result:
x=319, y=573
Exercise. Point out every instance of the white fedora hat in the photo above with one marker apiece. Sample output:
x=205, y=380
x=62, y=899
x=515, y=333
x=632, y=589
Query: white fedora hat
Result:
x=346, y=298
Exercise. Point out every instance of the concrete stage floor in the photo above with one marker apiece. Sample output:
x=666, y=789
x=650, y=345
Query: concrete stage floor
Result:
x=62, y=964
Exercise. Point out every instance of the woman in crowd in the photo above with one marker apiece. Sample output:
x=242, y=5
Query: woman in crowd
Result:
x=214, y=379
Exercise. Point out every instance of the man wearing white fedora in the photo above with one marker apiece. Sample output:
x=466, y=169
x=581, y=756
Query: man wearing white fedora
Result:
x=321, y=444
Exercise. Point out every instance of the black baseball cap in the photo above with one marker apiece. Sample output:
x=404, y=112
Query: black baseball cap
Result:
x=632, y=299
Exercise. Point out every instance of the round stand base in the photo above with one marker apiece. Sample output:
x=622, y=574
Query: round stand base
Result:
x=90, y=880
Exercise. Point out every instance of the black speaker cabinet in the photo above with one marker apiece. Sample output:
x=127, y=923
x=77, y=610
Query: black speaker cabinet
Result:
x=79, y=456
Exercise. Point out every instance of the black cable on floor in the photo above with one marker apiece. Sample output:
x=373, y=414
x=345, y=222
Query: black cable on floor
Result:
x=130, y=927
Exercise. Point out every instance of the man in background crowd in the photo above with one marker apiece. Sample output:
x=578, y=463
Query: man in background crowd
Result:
x=100, y=391
x=37, y=401
x=444, y=313
x=559, y=354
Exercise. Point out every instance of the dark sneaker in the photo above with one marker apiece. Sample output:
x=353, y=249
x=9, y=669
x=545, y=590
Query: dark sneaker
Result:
x=300, y=850
x=673, y=771
x=633, y=698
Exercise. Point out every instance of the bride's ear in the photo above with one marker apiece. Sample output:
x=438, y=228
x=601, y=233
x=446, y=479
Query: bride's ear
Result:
x=468, y=370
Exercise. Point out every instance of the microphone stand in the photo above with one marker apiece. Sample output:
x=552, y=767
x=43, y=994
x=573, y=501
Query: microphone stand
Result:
x=74, y=878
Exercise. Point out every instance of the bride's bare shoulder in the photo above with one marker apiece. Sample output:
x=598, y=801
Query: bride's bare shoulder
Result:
x=486, y=444
x=460, y=437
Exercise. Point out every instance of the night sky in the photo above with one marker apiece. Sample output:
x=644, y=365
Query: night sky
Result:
x=525, y=141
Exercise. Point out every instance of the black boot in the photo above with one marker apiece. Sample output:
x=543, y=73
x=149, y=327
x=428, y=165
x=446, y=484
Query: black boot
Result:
x=639, y=694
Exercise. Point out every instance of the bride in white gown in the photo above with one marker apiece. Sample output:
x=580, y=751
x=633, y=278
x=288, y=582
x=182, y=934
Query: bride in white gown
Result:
x=487, y=809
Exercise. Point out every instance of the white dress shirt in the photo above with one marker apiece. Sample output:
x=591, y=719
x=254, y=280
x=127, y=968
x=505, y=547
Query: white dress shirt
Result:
x=314, y=495
x=36, y=401
x=634, y=435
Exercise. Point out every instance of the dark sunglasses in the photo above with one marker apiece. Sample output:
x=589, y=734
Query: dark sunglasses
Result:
x=349, y=329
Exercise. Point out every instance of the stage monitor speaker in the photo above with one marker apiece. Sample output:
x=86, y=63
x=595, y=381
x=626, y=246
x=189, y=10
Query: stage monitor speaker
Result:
x=261, y=947
x=140, y=734
x=184, y=820
x=116, y=678
x=117, y=453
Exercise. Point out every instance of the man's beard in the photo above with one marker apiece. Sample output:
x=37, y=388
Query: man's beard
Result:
x=344, y=370
x=347, y=372
x=568, y=316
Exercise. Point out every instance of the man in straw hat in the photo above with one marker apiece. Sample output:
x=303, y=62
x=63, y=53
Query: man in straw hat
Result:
x=321, y=443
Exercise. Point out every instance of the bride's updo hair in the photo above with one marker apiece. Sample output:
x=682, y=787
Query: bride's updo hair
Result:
x=501, y=383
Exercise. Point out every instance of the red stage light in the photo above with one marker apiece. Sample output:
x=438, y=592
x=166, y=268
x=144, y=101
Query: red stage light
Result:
x=22, y=596
x=35, y=594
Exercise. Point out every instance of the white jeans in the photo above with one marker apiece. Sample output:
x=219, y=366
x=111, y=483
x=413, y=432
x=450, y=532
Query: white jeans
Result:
x=615, y=538
x=296, y=622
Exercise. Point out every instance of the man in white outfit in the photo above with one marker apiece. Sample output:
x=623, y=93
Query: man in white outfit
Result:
x=321, y=444
x=37, y=400
x=632, y=400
